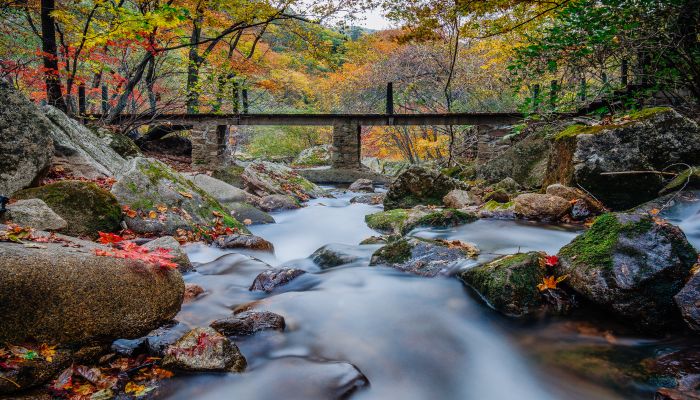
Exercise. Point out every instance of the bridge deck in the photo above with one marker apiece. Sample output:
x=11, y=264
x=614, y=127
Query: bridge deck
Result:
x=326, y=119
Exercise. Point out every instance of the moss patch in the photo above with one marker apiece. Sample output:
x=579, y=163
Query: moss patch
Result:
x=394, y=253
x=496, y=206
x=85, y=206
x=231, y=175
x=387, y=221
x=646, y=113
x=442, y=219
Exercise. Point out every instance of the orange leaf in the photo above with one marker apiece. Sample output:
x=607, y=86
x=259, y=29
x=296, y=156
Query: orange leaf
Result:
x=185, y=194
x=152, y=214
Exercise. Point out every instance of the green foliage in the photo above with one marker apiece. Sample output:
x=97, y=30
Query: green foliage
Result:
x=283, y=142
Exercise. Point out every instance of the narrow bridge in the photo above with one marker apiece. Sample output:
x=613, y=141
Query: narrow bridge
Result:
x=208, y=131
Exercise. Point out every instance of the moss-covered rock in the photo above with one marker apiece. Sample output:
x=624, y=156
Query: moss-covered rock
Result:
x=420, y=186
x=266, y=178
x=120, y=143
x=525, y=162
x=632, y=266
x=401, y=221
x=649, y=140
x=424, y=257
x=148, y=185
x=232, y=174
x=388, y=222
x=86, y=207
x=440, y=219
x=509, y=284
x=314, y=156
x=498, y=195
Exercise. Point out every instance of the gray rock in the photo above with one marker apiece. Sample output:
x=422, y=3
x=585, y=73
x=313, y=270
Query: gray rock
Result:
x=269, y=280
x=159, y=340
x=147, y=185
x=240, y=241
x=25, y=148
x=86, y=207
x=499, y=196
x=371, y=199
x=333, y=255
x=509, y=185
x=220, y=190
x=248, y=323
x=631, y=266
x=420, y=186
x=362, y=185
x=277, y=202
x=314, y=156
x=66, y=294
x=424, y=257
x=245, y=212
x=458, y=199
x=179, y=256
x=688, y=304
x=340, y=176
x=651, y=139
x=525, y=162
x=79, y=150
x=266, y=178
x=34, y=213
x=204, y=349
x=541, y=207
x=584, y=206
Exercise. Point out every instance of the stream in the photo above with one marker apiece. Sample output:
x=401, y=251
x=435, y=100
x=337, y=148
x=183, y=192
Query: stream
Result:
x=412, y=337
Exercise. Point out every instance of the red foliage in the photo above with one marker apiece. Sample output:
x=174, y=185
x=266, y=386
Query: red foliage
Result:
x=159, y=257
x=551, y=261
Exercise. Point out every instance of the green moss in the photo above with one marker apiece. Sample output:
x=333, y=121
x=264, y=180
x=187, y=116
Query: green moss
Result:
x=393, y=253
x=497, y=194
x=442, y=219
x=496, y=206
x=85, y=206
x=387, y=221
x=578, y=129
x=231, y=175
x=646, y=113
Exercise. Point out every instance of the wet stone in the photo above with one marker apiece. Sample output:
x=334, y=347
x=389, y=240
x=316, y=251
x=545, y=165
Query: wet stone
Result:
x=268, y=280
x=248, y=323
x=204, y=349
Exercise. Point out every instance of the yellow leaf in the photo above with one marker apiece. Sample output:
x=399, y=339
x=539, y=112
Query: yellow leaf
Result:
x=185, y=194
x=217, y=214
x=152, y=214
x=162, y=208
x=47, y=352
x=654, y=211
x=136, y=390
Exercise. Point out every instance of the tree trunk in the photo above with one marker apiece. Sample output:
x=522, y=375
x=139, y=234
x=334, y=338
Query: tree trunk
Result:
x=54, y=95
x=194, y=62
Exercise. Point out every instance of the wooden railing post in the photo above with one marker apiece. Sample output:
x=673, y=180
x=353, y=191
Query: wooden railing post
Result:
x=624, y=73
x=245, y=101
x=553, y=88
x=390, y=98
x=105, y=100
x=81, y=99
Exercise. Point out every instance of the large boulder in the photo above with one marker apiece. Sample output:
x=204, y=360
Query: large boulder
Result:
x=400, y=221
x=652, y=139
x=314, y=156
x=150, y=188
x=78, y=150
x=63, y=292
x=458, y=199
x=204, y=349
x=541, y=207
x=419, y=186
x=525, y=162
x=362, y=185
x=33, y=213
x=688, y=304
x=86, y=207
x=266, y=178
x=278, y=202
x=510, y=284
x=584, y=206
x=424, y=257
x=631, y=265
x=223, y=192
x=25, y=148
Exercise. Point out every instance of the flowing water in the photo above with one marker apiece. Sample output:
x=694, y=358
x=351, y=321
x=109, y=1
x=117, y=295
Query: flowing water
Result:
x=412, y=337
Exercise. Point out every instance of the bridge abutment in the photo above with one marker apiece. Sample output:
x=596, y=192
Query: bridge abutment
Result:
x=208, y=145
x=346, y=146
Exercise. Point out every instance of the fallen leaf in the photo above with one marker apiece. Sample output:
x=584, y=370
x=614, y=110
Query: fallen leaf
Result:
x=185, y=194
x=137, y=390
x=162, y=208
x=217, y=214
x=247, y=221
x=47, y=352
x=152, y=214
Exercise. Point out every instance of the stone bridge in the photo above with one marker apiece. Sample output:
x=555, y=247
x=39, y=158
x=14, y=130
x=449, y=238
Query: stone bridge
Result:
x=208, y=131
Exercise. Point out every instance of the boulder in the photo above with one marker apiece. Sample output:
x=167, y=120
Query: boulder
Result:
x=149, y=187
x=248, y=323
x=266, y=178
x=34, y=213
x=498, y=195
x=508, y=185
x=509, y=284
x=651, y=139
x=78, y=150
x=584, y=206
x=247, y=213
x=220, y=190
x=278, y=202
x=269, y=280
x=314, y=156
x=400, y=221
x=458, y=199
x=241, y=241
x=333, y=255
x=362, y=185
x=86, y=207
x=688, y=304
x=231, y=174
x=179, y=256
x=192, y=291
x=424, y=257
x=62, y=292
x=25, y=148
x=374, y=240
x=541, y=207
x=204, y=349
x=631, y=265
x=119, y=142
x=495, y=210
x=525, y=162
x=371, y=199
x=159, y=340
x=419, y=186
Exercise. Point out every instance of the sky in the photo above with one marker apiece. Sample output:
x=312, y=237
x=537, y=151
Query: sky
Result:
x=373, y=20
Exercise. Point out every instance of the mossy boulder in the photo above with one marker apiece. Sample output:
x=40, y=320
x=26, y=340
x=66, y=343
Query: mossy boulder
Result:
x=314, y=156
x=119, y=142
x=232, y=174
x=509, y=284
x=525, y=162
x=400, y=221
x=498, y=195
x=424, y=257
x=265, y=178
x=86, y=207
x=388, y=222
x=150, y=187
x=420, y=186
x=541, y=207
x=650, y=140
x=440, y=219
x=630, y=265
x=245, y=211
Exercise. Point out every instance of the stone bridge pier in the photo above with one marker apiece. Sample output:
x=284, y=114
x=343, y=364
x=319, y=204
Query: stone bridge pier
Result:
x=346, y=146
x=208, y=145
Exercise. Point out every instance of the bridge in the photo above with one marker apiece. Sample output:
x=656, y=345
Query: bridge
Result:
x=208, y=131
